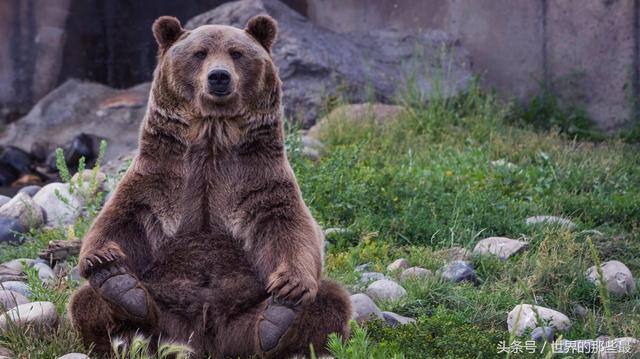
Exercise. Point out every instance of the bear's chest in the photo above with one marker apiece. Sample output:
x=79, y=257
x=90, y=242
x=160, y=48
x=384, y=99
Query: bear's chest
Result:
x=205, y=190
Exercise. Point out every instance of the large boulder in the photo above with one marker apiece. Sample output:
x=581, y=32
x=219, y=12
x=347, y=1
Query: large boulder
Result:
x=528, y=316
x=82, y=107
x=617, y=277
x=316, y=64
x=39, y=316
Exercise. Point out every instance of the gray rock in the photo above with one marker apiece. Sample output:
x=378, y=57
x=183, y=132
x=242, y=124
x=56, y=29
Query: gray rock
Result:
x=398, y=264
x=311, y=142
x=18, y=287
x=24, y=209
x=580, y=311
x=87, y=178
x=617, y=277
x=626, y=347
x=458, y=271
x=542, y=334
x=16, y=264
x=368, y=277
x=74, y=356
x=395, y=320
x=82, y=107
x=10, y=230
x=501, y=247
x=504, y=164
x=57, y=211
x=41, y=316
x=74, y=274
x=9, y=299
x=45, y=273
x=551, y=221
x=9, y=274
x=415, y=273
x=312, y=68
x=385, y=289
x=525, y=316
x=31, y=190
x=311, y=153
x=5, y=353
x=364, y=308
x=362, y=267
x=4, y=199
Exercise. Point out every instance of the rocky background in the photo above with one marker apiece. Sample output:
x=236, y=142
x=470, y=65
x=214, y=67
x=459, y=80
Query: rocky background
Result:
x=316, y=65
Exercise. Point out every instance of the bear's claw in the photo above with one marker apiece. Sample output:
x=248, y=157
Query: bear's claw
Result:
x=121, y=289
x=277, y=319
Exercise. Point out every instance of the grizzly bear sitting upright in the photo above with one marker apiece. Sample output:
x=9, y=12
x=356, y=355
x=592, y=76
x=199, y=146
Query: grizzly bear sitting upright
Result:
x=207, y=240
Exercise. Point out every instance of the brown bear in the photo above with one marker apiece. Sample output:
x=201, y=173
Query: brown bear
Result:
x=207, y=240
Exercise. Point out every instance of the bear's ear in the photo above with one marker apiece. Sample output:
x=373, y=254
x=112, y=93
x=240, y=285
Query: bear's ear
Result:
x=166, y=30
x=264, y=29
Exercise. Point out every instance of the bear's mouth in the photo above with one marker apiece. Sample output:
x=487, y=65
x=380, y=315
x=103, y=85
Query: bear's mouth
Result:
x=220, y=92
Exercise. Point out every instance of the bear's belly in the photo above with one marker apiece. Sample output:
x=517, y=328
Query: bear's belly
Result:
x=198, y=271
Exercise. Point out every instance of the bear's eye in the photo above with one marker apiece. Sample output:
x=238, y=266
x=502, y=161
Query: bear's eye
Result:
x=235, y=55
x=200, y=55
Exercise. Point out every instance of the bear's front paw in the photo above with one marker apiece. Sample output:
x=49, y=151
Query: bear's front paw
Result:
x=97, y=259
x=292, y=287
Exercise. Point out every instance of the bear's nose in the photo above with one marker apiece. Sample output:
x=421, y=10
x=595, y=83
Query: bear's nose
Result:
x=219, y=81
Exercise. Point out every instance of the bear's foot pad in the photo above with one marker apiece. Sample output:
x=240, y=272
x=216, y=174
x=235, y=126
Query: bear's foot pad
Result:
x=122, y=290
x=277, y=319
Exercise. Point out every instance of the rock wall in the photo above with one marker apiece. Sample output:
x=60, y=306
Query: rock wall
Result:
x=588, y=51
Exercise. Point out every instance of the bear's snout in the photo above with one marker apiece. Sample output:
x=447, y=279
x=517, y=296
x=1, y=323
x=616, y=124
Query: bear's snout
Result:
x=219, y=82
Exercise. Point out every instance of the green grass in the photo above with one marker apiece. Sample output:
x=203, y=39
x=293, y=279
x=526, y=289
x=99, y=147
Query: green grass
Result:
x=427, y=182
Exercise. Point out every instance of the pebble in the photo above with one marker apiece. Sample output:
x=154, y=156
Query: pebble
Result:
x=9, y=299
x=395, y=320
x=5, y=353
x=18, y=287
x=617, y=277
x=528, y=319
x=74, y=274
x=398, y=264
x=501, y=247
x=57, y=212
x=311, y=142
x=45, y=273
x=362, y=267
x=629, y=347
x=385, y=289
x=542, y=334
x=458, y=271
x=10, y=230
x=87, y=176
x=41, y=316
x=415, y=273
x=74, y=356
x=550, y=220
x=24, y=209
x=311, y=153
x=364, y=308
x=368, y=277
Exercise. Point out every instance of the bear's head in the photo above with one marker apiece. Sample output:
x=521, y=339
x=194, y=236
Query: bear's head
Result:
x=215, y=71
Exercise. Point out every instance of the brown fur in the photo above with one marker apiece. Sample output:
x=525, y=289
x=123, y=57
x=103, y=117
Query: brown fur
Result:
x=209, y=217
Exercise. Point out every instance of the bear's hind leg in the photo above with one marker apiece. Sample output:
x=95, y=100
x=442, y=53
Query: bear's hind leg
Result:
x=91, y=316
x=329, y=313
x=273, y=330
